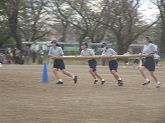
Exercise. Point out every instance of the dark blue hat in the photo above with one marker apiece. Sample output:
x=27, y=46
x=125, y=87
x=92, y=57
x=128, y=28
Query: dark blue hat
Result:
x=84, y=43
x=103, y=45
x=54, y=41
x=147, y=39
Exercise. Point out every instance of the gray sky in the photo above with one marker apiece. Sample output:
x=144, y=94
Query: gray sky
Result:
x=148, y=10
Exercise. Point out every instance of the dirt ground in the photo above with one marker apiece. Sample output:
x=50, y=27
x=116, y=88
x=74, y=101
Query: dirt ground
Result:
x=24, y=98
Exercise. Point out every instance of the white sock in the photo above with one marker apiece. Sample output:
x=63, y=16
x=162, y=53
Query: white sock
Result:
x=103, y=80
x=147, y=79
x=73, y=77
x=60, y=80
x=158, y=83
x=119, y=78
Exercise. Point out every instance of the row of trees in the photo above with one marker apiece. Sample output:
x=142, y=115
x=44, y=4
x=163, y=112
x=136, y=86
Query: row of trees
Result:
x=120, y=20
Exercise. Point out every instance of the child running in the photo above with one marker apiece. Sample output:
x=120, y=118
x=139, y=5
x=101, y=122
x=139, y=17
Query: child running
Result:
x=149, y=63
x=54, y=51
x=92, y=63
x=113, y=63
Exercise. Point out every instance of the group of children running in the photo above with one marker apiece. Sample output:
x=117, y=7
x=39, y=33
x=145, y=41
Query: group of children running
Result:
x=149, y=51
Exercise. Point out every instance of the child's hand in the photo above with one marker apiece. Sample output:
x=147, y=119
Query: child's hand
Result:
x=52, y=56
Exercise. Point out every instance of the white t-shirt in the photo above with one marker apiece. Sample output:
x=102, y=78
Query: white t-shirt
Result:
x=56, y=51
x=109, y=52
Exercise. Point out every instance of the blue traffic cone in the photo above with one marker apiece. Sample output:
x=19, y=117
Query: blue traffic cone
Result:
x=45, y=73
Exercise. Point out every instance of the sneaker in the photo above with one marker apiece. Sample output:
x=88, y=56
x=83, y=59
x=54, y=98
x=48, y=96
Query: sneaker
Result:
x=59, y=82
x=158, y=85
x=120, y=82
x=75, y=79
x=95, y=82
x=102, y=82
x=146, y=82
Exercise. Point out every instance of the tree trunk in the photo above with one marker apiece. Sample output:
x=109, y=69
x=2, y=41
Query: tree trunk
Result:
x=64, y=35
x=14, y=30
x=120, y=49
x=162, y=41
x=13, y=24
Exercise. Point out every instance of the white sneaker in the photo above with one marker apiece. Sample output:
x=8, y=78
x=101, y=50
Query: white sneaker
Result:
x=146, y=82
x=158, y=85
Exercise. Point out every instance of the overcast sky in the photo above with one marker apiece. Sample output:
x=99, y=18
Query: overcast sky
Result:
x=148, y=10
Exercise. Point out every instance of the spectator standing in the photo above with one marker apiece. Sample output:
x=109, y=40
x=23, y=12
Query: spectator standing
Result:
x=126, y=60
x=17, y=55
x=34, y=55
x=27, y=55
x=41, y=57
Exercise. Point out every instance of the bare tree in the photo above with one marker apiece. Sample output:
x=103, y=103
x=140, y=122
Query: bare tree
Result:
x=5, y=34
x=161, y=6
x=4, y=28
x=11, y=11
x=79, y=15
x=60, y=24
x=33, y=18
x=122, y=19
x=26, y=19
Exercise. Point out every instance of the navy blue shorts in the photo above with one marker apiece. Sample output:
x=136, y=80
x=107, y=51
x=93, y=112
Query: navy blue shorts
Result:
x=59, y=64
x=113, y=65
x=126, y=60
x=149, y=63
x=92, y=64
